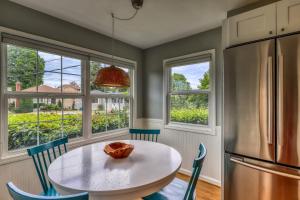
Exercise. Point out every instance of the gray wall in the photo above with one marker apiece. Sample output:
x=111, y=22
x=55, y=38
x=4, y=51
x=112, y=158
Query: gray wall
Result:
x=153, y=68
x=150, y=70
x=30, y=21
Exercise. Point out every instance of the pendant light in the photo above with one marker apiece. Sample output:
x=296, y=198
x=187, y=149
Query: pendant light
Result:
x=113, y=76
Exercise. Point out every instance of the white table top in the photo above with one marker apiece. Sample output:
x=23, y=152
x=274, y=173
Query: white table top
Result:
x=89, y=169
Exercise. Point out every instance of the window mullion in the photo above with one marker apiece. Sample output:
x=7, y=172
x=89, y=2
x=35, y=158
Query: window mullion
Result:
x=106, y=114
x=38, y=121
x=62, y=116
x=189, y=92
x=61, y=74
x=3, y=102
x=38, y=105
x=119, y=114
x=109, y=95
x=87, y=100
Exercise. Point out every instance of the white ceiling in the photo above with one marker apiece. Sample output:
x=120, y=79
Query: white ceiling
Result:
x=159, y=21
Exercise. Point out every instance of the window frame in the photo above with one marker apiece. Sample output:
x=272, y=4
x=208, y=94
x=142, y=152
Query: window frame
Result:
x=106, y=96
x=12, y=94
x=168, y=64
x=87, y=136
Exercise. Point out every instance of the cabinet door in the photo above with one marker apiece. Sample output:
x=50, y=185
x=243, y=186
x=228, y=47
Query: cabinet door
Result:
x=253, y=25
x=288, y=16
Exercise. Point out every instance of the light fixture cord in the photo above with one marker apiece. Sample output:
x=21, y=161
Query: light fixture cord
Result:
x=113, y=32
x=112, y=39
x=129, y=18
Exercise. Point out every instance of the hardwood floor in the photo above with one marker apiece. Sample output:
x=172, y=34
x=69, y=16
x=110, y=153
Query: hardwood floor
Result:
x=205, y=191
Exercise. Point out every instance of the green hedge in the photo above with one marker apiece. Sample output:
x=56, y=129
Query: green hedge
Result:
x=194, y=116
x=22, y=128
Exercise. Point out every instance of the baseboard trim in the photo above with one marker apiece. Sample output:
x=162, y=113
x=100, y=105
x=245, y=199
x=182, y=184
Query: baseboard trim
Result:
x=202, y=178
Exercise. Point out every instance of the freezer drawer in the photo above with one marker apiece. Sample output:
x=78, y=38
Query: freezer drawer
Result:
x=249, y=77
x=247, y=179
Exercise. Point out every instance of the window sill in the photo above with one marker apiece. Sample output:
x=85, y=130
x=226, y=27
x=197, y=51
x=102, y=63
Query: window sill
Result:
x=191, y=128
x=20, y=155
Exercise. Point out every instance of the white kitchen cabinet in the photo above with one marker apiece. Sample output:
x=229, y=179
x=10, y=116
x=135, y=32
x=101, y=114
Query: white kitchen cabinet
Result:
x=288, y=16
x=252, y=25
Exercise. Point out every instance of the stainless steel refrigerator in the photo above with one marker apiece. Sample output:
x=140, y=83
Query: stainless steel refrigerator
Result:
x=262, y=120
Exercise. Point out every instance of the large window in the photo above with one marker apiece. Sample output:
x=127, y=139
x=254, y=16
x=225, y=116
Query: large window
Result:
x=110, y=106
x=43, y=96
x=48, y=92
x=190, y=92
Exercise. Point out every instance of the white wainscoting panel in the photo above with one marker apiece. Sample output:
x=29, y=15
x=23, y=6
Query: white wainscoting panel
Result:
x=187, y=144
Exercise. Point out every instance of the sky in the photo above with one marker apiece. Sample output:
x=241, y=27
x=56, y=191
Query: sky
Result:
x=71, y=69
x=192, y=72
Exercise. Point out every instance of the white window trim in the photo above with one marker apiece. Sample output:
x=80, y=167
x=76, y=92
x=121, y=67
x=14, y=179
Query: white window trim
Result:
x=12, y=156
x=130, y=96
x=202, y=129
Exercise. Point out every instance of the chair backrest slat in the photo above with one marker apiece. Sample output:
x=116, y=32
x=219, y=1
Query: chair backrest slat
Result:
x=42, y=171
x=45, y=162
x=54, y=154
x=59, y=150
x=49, y=156
x=197, y=166
x=18, y=194
x=41, y=152
x=46, y=167
x=39, y=173
x=145, y=134
x=65, y=147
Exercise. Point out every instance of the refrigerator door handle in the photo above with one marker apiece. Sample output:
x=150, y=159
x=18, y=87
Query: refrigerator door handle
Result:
x=264, y=169
x=280, y=99
x=270, y=100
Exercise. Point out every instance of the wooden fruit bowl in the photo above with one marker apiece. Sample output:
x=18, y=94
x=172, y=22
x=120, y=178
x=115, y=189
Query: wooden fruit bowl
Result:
x=118, y=150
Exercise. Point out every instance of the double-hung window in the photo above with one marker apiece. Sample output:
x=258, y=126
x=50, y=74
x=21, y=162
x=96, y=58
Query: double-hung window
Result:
x=111, y=106
x=42, y=94
x=189, y=96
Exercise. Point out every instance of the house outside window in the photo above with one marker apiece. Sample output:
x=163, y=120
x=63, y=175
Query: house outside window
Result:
x=189, y=92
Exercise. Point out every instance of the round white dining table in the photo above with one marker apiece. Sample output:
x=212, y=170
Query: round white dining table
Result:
x=150, y=167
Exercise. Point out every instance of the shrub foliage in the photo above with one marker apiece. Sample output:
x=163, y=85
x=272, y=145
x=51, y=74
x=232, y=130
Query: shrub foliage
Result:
x=24, y=130
x=194, y=115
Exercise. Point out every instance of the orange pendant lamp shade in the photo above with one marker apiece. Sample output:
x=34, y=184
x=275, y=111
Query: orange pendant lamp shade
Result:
x=112, y=77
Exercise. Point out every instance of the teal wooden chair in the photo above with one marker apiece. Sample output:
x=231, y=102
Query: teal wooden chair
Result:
x=42, y=156
x=18, y=194
x=179, y=189
x=144, y=134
